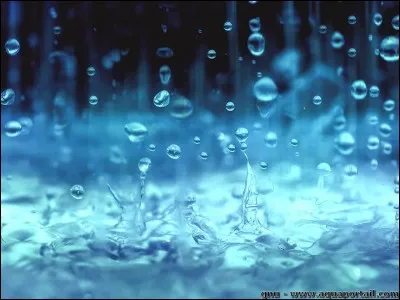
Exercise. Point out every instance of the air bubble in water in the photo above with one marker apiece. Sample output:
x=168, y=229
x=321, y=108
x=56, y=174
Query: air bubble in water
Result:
x=77, y=191
x=294, y=142
x=231, y=148
x=211, y=54
x=374, y=164
x=387, y=148
x=271, y=139
x=352, y=52
x=242, y=134
x=256, y=44
x=7, y=97
x=196, y=140
x=164, y=52
x=350, y=171
x=317, y=100
x=265, y=89
x=352, y=20
x=385, y=130
x=152, y=147
x=339, y=123
x=12, y=47
x=359, y=89
x=395, y=22
x=388, y=105
x=91, y=71
x=389, y=49
x=230, y=106
x=174, y=151
x=144, y=165
x=53, y=13
x=374, y=91
x=57, y=30
x=378, y=19
x=93, y=100
x=337, y=40
x=181, y=108
x=345, y=143
x=255, y=24
x=263, y=165
x=243, y=146
x=136, y=132
x=373, y=142
x=161, y=99
x=373, y=120
x=203, y=155
x=323, y=29
x=165, y=74
x=12, y=128
x=227, y=26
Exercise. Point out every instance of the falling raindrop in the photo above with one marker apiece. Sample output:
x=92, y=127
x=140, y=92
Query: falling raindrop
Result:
x=345, y=143
x=359, y=89
x=255, y=24
x=12, y=128
x=374, y=91
x=196, y=140
x=136, y=132
x=339, y=123
x=352, y=52
x=271, y=139
x=323, y=29
x=144, y=165
x=352, y=20
x=161, y=99
x=203, y=155
x=227, y=26
x=374, y=164
x=337, y=40
x=231, y=148
x=265, y=90
x=387, y=148
x=230, y=106
x=242, y=134
x=7, y=97
x=373, y=142
x=181, y=108
x=395, y=22
x=378, y=19
x=152, y=147
x=317, y=100
x=93, y=100
x=12, y=47
x=91, y=71
x=389, y=105
x=211, y=54
x=243, y=146
x=263, y=165
x=77, y=191
x=373, y=120
x=165, y=74
x=389, y=49
x=256, y=44
x=57, y=30
x=294, y=142
x=385, y=130
x=174, y=151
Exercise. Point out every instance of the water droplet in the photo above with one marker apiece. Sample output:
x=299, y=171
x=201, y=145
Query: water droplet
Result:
x=374, y=91
x=152, y=147
x=91, y=71
x=203, y=155
x=174, y=151
x=294, y=142
x=337, y=40
x=374, y=164
x=144, y=165
x=136, y=132
x=7, y=97
x=231, y=148
x=230, y=106
x=53, y=13
x=352, y=20
x=211, y=54
x=373, y=142
x=181, y=108
x=12, y=47
x=370, y=37
x=350, y=171
x=389, y=49
x=339, y=123
x=196, y=140
x=387, y=148
x=263, y=165
x=378, y=19
x=227, y=26
x=265, y=90
x=317, y=100
x=385, y=130
x=57, y=30
x=165, y=74
x=256, y=44
x=345, y=143
x=271, y=139
x=243, y=146
x=323, y=29
x=93, y=100
x=77, y=191
x=242, y=134
x=164, y=52
x=12, y=128
x=389, y=105
x=373, y=120
x=359, y=89
x=161, y=99
x=395, y=22
x=352, y=52
x=255, y=24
